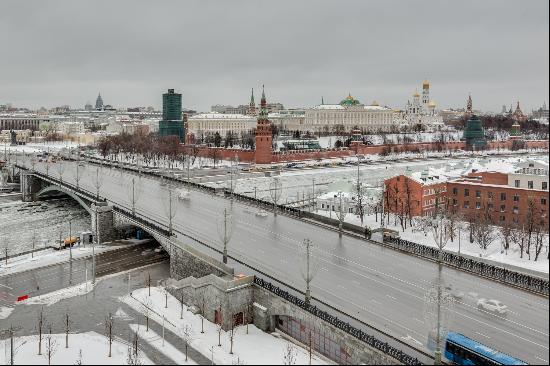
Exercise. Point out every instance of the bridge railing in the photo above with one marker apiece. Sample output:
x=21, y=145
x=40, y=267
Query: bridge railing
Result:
x=342, y=325
x=514, y=278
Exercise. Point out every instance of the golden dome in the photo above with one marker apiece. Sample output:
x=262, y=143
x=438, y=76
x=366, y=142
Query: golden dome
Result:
x=416, y=94
x=426, y=83
x=375, y=103
x=431, y=104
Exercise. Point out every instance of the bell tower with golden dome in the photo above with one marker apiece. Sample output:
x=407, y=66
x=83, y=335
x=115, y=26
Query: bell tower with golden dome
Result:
x=425, y=95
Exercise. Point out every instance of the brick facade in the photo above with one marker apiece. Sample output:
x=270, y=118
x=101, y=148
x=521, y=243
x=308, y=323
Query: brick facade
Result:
x=406, y=195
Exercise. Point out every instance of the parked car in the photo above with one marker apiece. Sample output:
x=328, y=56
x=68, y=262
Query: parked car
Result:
x=493, y=306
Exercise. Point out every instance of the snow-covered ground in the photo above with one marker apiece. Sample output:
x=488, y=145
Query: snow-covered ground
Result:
x=494, y=252
x=90, y=348
x=253, y=348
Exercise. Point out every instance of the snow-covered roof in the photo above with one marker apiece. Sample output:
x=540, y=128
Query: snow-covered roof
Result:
x=428, y=177
x=328, y=106
x=376, y=108
x=216, y=115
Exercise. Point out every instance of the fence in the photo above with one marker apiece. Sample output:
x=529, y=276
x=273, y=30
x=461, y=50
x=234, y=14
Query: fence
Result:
x=334, y=321
x=521, y=280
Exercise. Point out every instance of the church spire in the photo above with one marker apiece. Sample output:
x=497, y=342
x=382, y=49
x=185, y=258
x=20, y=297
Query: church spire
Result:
x=322, y=101
x=252, y=105
x=469, y=105
x=263, y=106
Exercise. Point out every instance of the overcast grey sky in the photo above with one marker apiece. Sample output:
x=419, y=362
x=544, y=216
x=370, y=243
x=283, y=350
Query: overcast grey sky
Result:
x=64, y=52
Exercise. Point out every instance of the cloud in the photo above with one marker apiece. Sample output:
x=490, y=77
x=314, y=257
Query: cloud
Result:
x=64, y=52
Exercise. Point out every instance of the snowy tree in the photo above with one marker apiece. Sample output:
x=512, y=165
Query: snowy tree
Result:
x=275, y=192
x=187, y=336
x=290, y=355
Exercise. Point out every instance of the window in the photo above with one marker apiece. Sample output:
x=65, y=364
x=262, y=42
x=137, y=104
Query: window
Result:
x=543, y=201
x=530, y=184
x=516, y=183
x=502, y=218
x=478, y=205
x=490, y=206
x=516, y=198
x=490, y=195
x=455, y=191
x=466, y=192
x=502, y=208
x=466, y=204
x=545, y=185
x=503, y=196
x=455, y=202
x=515, y=210
x=478, y=194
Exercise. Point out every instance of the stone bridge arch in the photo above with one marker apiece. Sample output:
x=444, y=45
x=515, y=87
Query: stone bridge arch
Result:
x=55, y=188
x=167, y=243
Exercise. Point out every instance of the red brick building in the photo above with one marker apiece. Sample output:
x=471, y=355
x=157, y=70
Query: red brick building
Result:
x=507, y=205
x=417, y=194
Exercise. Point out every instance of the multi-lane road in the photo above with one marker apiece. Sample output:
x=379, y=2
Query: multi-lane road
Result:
x=374, y=284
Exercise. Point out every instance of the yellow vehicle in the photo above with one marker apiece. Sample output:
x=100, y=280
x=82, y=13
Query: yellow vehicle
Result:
x=65, y=243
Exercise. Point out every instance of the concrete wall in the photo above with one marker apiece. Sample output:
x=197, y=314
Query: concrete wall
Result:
x=211, y=294
x=186, y=262
x=269, y=306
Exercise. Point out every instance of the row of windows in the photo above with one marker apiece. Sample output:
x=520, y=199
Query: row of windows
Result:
x=490, y=195
x=530, y=185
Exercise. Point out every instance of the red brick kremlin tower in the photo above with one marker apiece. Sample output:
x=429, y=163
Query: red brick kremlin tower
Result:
x=264, y=148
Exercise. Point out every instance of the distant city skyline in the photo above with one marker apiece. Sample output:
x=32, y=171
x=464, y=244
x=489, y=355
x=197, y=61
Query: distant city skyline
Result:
x=302, y=51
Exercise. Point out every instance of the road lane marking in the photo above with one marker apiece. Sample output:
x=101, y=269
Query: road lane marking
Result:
x=391, y=297
x=9, y=288
x=483, y=335
x=541, y=359
x=342, y=287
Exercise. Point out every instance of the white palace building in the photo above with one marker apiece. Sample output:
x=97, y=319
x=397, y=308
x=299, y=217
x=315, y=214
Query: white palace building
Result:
x=350, y=114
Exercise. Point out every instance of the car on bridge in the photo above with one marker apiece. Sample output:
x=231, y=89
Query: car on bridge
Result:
x=493, y=306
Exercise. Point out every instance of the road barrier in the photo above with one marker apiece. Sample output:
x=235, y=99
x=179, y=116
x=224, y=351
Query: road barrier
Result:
x=344, y=326
x=517, y=279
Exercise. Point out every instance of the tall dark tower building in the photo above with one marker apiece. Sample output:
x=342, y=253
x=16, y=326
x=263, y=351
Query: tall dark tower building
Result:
x=264, y=148
x=172, y=121
x=99, y=103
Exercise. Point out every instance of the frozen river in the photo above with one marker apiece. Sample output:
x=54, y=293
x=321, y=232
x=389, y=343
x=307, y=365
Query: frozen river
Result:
x=46, y=219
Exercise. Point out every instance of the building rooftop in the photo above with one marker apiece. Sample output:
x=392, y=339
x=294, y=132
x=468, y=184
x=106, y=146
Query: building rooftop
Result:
x=216, y=115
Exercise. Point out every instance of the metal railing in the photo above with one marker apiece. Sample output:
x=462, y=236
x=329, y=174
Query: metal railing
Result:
x=343, y=326
x=494, y=272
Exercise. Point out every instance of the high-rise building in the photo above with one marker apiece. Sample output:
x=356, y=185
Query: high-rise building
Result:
x=172, y=122
x=99, y=103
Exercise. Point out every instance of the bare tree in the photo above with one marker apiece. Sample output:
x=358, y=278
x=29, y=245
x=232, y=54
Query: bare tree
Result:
x=109, y=332
x=233, y=331
x=309, y=267
x=187, y=336
x=40, y=329
x=79, y=171
x=275, y=192
x=290, y=355
x=505, y=234
x=539, y=235
x=67, y=322
x=518, y=235
x=133, y=354
x=483, y=230
x=51, y=346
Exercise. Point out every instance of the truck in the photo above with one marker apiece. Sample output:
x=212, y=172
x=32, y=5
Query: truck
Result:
x=65, y=243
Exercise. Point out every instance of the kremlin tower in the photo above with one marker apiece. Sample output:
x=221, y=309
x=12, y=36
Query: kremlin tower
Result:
x=264, y=147
x=252, y=106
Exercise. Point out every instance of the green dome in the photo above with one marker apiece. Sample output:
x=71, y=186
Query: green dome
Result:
x=349, y=101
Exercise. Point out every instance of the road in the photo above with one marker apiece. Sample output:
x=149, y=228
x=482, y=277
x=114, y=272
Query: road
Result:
x=57, y=276
x=375, y=284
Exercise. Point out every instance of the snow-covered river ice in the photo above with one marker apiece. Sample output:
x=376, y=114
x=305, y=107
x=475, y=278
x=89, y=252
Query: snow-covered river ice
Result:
x=20, y=221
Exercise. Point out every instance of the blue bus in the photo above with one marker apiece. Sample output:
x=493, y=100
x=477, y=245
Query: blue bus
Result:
x=462, y=350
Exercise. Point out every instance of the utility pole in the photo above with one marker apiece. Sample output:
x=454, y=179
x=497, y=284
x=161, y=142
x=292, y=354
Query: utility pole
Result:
x=313, y=196
x=170, y=205
x=133, y=197
x=307, y=244
x=225, y=236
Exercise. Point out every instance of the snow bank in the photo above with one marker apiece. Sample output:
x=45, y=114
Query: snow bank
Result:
x=56, y=296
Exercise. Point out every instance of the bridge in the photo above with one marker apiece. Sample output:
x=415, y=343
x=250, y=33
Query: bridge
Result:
x=367, y=283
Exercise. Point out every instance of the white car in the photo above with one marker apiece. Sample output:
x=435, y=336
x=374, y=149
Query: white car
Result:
x=493, y=306
x=261, y=214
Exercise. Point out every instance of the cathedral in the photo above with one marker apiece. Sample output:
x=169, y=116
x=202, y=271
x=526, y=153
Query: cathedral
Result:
x=421, y=111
